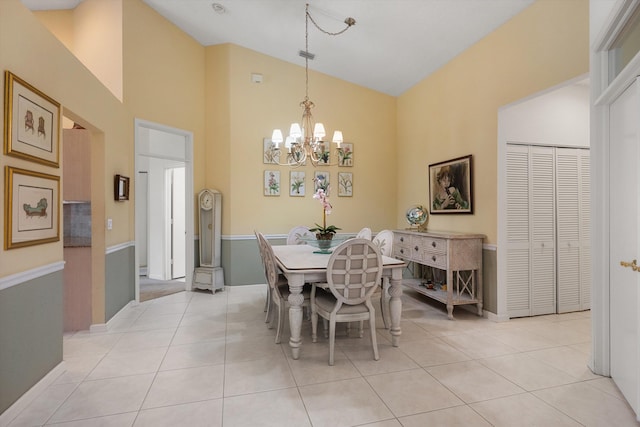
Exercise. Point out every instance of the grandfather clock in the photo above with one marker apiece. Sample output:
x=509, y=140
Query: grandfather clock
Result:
x=209, y=275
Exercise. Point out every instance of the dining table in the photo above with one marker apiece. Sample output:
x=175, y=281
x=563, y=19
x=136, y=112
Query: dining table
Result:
x=302, y=264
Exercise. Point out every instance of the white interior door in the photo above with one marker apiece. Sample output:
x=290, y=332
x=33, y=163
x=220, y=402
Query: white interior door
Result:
x=624, y=243
x=178, y=221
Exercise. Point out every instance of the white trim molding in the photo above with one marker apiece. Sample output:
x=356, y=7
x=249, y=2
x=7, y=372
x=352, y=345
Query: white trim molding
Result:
x=24, y=276
x=119, y=247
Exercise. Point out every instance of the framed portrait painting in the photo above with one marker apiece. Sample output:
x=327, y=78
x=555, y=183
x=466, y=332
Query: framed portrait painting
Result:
x=450, y=186
x=32, y=123
x=32, y=208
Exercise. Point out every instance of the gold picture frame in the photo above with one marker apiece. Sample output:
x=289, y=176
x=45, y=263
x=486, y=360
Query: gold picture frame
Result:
x=32, y=208
x=31, y=123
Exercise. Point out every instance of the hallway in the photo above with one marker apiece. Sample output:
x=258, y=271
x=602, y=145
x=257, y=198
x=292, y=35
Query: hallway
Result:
x=197, y=359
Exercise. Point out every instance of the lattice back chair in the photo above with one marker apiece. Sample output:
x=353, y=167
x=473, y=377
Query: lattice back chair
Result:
x=364, y=233
x=353, y=273
x=278, y=285
x=295, y=234
x=267, y=302
x=384, y=241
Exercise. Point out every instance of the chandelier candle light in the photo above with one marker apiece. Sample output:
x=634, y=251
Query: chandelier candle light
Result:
x=306, y=140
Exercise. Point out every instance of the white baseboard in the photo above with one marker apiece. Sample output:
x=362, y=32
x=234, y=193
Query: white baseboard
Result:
x=14, y=410
x=104, y=327
x=496, y=317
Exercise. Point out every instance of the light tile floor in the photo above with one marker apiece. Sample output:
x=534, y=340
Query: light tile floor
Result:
x=197, y=359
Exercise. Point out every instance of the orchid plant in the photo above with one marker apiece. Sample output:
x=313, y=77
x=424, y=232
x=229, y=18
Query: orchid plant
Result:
x=324, y=230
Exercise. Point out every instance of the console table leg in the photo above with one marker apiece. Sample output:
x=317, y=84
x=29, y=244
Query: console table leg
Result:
x=450, y=311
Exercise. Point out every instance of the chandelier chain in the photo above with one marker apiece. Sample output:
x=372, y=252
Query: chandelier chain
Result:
x=305, y=140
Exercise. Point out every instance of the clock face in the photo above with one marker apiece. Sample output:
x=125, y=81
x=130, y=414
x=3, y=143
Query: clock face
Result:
x=206, y=201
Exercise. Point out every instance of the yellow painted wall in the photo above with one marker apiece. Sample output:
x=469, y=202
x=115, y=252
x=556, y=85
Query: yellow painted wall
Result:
x=60, y=23
x=98, y=40
x=164, y=80
x=40, y=59
x=366, y=118
x=453, y=112
x=215, y=162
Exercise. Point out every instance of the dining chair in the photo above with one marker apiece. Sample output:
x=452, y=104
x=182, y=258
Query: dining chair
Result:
x=365, y=233
x=384, y=241
x=353, y=272
x=278, y=286
x=267, y=302
x=293, y=238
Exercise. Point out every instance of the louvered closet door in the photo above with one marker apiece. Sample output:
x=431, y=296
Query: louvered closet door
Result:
x=518, y=245
x=568, y=205
x=542, y=231
x=573, y=229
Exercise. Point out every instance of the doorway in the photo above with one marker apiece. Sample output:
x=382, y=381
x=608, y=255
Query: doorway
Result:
x=164, y=216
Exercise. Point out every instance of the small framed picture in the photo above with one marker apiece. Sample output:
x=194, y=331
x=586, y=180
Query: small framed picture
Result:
x=345, y=154
x=297, y=183
x=450, y=186
x=271, y=183
x=121, y=188
x=31, y=121
x=345, y=184
x=324, y=153
x=32, y=201
x=270, y=154
x=321, y=180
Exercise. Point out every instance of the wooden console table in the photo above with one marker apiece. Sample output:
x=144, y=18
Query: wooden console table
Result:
x=449, y=251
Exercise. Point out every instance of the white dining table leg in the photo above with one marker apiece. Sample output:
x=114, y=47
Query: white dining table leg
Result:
x=296, y=282
x=395, y=305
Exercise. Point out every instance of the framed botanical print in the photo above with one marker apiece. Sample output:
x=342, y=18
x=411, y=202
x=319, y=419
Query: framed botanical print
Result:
x=271, y=183
x=297, y=183
x=324, y=153
x=32, y=208
x=31, y=121
x=345, y=154
x=270, y=154
x=450, y=186
x=345, y=184
x=321, y=180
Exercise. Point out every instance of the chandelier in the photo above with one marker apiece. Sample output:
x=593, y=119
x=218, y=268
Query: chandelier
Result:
x=306, y=139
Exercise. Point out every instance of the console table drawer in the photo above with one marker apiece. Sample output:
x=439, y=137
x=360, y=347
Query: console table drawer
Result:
x=434, y=260
x=438, y=246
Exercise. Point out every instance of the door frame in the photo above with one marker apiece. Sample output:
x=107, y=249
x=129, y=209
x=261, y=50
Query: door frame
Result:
x=602, y=95
x=187, y=159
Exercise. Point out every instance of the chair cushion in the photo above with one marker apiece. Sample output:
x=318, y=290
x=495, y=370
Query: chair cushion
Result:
x=326, y=302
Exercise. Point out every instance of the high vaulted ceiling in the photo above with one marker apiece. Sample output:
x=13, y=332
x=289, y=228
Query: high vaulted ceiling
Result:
x=393, y=45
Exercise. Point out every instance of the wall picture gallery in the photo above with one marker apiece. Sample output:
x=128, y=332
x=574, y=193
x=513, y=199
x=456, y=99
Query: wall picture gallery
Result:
x=299, y=184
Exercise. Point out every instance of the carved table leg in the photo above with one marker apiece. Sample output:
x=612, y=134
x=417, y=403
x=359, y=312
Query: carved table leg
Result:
x=450, y=294
x=395, y=305
x=295, y=312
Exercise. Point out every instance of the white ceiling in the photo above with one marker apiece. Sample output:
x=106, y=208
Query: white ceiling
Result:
x=394, y=44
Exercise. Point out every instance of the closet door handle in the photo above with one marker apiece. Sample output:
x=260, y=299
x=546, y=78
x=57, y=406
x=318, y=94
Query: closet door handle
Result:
x=633, y=264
